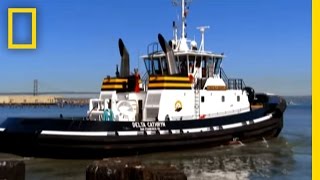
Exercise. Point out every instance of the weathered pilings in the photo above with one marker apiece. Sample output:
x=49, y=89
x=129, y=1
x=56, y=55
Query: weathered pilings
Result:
x=12, y=170
x=129, y=168
x=112, y=169
x=107, y=169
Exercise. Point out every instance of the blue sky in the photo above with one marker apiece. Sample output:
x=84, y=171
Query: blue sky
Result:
x=266, y=42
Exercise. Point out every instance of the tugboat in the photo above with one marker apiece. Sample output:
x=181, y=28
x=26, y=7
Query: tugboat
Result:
x=185, y=100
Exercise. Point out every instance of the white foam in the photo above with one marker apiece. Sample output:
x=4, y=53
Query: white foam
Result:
x=219, y=174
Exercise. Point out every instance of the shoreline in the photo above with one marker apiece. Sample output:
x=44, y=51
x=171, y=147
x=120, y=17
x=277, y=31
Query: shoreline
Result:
x=28, y=100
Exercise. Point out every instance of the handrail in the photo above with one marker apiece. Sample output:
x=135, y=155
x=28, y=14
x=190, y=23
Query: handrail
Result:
x=224, y=76
x=145, y=79
x=236, y=84
x=153, y=48
x=232, y=83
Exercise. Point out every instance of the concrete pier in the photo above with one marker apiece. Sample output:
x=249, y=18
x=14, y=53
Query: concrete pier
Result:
x=72, y=101
x=26, y=100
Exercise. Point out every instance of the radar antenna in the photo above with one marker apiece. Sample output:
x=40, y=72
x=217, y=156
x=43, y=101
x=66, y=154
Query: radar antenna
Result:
x=202, y=30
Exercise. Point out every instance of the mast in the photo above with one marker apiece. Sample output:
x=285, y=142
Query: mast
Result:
x=184, y=12
x=182, y=44
x=183, y=15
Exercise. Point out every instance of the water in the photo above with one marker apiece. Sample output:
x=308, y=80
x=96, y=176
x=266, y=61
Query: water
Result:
x=285, y=157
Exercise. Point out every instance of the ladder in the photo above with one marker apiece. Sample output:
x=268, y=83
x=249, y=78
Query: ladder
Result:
x=197, y=102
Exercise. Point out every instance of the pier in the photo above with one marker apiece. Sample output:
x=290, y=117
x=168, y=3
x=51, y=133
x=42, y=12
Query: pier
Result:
x=41, y=100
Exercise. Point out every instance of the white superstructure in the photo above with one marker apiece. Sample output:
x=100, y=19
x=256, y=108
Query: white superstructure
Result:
x=183, y=82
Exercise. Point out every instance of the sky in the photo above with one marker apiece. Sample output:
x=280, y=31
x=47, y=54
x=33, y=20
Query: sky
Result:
x=266, y=42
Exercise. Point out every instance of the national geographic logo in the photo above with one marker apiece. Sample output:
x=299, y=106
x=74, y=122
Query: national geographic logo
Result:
x=33, y=44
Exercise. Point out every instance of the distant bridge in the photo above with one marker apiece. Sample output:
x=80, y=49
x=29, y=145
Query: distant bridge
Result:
x=51, y=91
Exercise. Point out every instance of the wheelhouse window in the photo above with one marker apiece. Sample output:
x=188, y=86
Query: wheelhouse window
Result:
x=191, y=64
x=204, y=66
x=156, y=66
x=177, y=63
x=182, y=65
x=198, y=62
x=164, y=66
x=217, y=65
x=210, y=67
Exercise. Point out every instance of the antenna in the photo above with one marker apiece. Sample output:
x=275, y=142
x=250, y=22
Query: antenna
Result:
x=175, y=31
x=138, y=59
x=202, y=30
x=184, y=12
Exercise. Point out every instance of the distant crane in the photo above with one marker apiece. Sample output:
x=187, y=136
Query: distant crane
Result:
x=35, y=87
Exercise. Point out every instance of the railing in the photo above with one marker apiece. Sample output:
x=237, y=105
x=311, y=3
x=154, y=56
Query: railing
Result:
x=232, y=83
x=236, y=84
x=223, y=76
x=145, y=80
x=153, y=48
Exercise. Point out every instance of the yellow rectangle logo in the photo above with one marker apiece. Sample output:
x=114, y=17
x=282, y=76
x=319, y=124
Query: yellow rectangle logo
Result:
x=33, y=44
